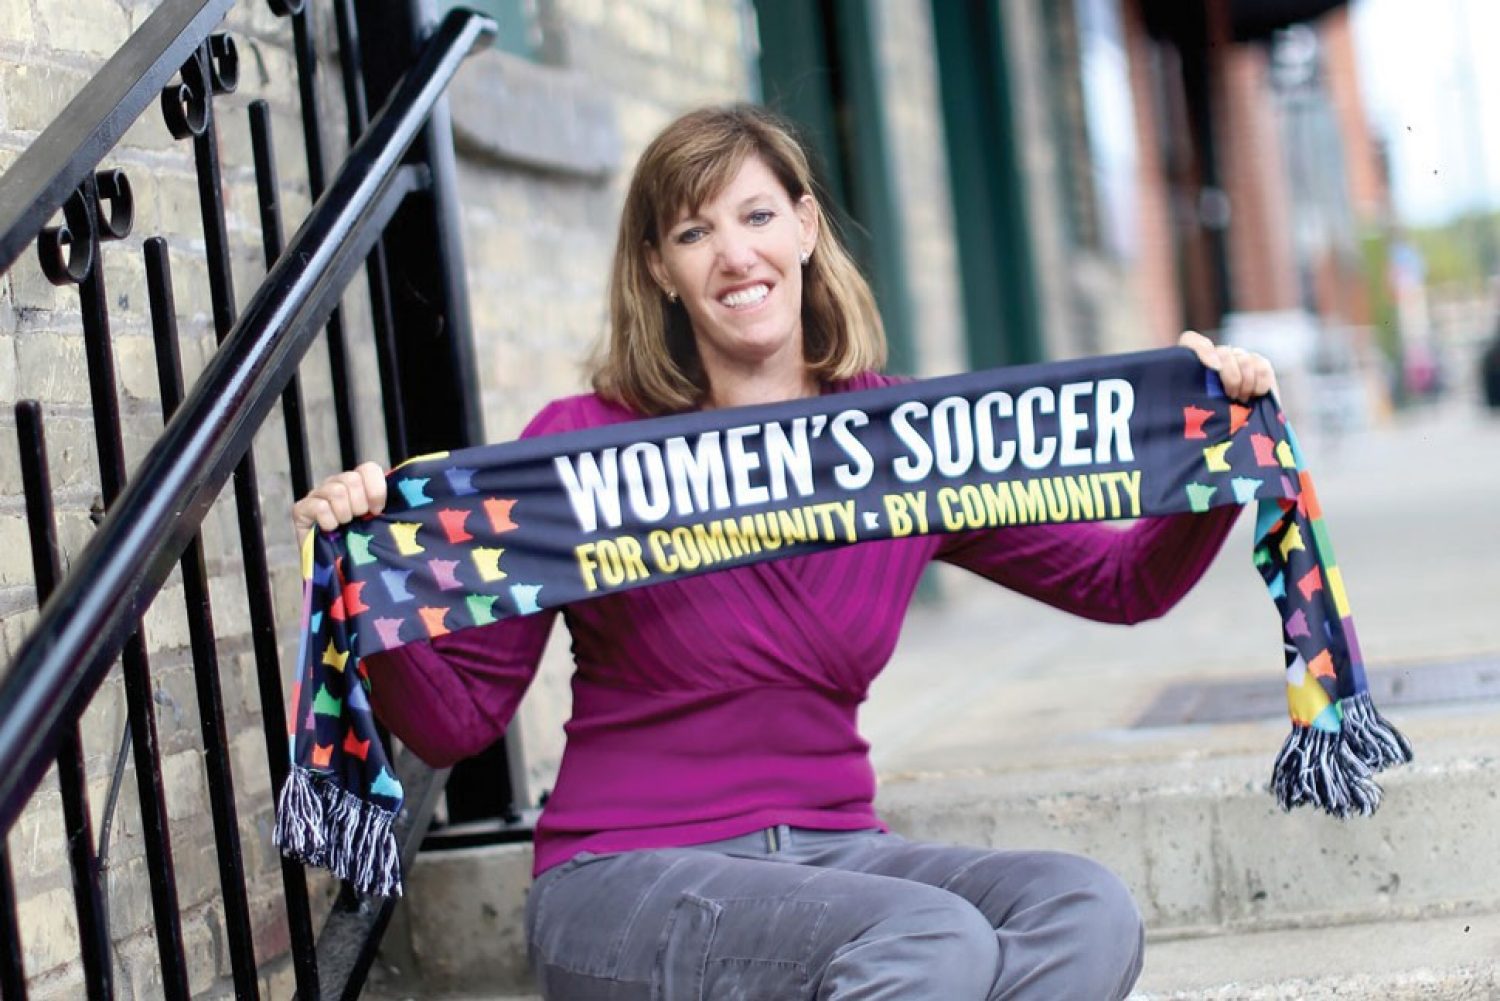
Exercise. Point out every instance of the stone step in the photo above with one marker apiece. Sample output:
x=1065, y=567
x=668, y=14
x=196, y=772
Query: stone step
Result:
x=460, y=926
x=1451, y=957
x=1204, y=847
x=1199, y=840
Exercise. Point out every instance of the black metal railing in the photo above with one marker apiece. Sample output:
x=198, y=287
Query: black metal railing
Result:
x=398, y=167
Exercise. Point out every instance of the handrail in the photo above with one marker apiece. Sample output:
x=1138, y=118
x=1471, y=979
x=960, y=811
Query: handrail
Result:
x=43, y=176
x=83, y=626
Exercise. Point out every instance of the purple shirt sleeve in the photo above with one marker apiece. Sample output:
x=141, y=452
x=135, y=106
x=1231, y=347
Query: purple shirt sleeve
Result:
x=1098, y=571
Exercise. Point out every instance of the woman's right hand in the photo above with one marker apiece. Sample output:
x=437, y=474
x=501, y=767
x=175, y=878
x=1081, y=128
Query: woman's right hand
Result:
x=340, y=499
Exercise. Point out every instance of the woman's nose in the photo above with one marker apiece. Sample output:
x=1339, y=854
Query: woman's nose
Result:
x=736, y=254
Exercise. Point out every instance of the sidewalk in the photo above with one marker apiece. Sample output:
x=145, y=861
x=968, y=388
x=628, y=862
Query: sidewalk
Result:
x=986, y=678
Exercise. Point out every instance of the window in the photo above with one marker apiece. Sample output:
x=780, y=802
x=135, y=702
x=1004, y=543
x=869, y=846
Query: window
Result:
x=519, y=20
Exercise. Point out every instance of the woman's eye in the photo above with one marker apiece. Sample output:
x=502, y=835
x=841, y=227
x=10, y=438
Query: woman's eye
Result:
x=761, y=216
x=690, y=235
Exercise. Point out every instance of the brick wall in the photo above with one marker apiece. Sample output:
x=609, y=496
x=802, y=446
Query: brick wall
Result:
x=47, y=52
x=539, y=216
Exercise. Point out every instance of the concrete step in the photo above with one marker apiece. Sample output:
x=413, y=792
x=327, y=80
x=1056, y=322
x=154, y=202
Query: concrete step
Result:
x=460, y=927
x=457, y=937
x=1451, y=957
x=1204, y=847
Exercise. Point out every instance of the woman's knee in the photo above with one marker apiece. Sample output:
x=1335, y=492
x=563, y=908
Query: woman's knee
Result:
x=1066, y=925
x=940, y=947
x=1097, y=915
x=1105, y=908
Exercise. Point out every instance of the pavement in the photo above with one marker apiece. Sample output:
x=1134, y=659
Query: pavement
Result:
x=1413, y=509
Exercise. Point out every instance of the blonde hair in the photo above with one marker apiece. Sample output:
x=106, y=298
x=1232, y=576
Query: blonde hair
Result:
x=650, y=361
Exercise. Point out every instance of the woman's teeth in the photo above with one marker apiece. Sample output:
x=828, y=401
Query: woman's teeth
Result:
x=745, y=296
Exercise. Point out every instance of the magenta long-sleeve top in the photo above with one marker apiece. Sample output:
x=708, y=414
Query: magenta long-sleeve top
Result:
x=715, y=705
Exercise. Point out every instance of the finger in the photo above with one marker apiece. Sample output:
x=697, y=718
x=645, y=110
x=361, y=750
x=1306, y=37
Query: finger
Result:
x=373, y=478
x=1200, y=346
x=313, y=510
x=1231, y=375
x=336, y=493
x=304, y=517
x=354, y=484
x=1265, y=377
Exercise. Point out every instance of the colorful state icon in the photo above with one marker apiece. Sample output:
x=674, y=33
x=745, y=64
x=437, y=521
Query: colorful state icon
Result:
x=385, y=784
x=1265, y=450
x=325, y=704
x=1276, y=586
x=395, y=584
x=1213, y=456
x=414, y=491
x=353, y=603
x=357, y=748
x=443, y=574
x=453, y=525
x=1291, y=541
x=1310, y=583
x=432, y=620
x=487, y=562
x=322, y=754
x=1245, y=488
x=404, y=535
x=359, y=547
x=1200, y=496
x=498, y=510
x=525, y=597
x=460, y=481
x=389, y=631
x=1239, y=416
x=482, y=608
x=1296, y=624
x=333, y=658
x=1193, y=419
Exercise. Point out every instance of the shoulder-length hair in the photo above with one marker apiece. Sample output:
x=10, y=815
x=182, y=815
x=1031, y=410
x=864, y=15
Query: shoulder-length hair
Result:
x=650, y=362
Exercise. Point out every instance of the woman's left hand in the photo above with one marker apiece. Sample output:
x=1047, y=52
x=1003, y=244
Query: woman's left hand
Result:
x=1245, y=374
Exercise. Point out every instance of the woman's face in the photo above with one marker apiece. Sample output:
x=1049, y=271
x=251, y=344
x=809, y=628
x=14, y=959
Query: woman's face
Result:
x=736, y=264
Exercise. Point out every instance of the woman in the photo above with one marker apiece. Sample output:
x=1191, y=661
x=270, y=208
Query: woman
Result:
x=711, y=834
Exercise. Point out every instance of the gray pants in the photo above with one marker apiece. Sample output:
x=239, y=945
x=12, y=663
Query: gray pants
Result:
x=786, y=914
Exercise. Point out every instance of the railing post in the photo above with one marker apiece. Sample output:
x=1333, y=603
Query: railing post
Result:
x=433, y=364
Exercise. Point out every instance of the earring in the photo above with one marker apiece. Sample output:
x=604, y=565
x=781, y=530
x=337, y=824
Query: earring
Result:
x=671, y=295
x=806, y=256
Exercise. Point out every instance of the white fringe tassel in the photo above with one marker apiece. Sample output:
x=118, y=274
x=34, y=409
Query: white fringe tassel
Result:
x=320, y=824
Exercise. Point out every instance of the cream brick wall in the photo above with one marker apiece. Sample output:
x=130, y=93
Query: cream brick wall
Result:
x=47, y=52
x=538, y=244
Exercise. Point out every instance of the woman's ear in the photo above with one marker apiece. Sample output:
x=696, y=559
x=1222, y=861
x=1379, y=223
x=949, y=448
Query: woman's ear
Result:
x=807, y=221
x=657, y=267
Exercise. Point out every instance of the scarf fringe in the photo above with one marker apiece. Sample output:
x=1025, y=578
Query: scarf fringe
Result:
x=1335, y=771
x=1370, y=735
x=320, y=824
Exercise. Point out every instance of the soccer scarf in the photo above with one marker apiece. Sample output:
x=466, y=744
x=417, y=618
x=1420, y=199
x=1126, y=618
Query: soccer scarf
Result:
x=473, y=536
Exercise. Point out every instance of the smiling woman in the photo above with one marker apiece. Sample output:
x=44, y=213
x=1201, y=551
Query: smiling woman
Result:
x=712, y=832
x=729, y=286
